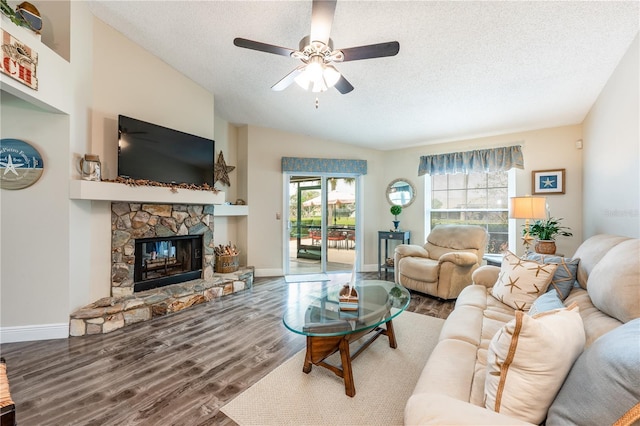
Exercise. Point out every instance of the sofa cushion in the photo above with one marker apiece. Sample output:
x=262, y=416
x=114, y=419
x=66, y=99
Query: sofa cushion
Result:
x=547, y=302
x=596, y=323
x=565, y=276
x=521, y=281
x=613, y=282
x=591, y=251
x=610, y=370
x=528, y=360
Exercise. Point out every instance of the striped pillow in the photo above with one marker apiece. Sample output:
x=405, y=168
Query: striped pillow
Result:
x=528, y=360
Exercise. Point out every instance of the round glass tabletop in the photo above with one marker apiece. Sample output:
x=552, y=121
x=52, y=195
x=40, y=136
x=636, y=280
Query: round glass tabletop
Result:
x=319, y=309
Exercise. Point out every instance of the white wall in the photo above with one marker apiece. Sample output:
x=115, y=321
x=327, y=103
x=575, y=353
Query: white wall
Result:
x=130, y=81
x=226, y=227
x=612, y=154
x=34, y=221
x=265, y=149
x=542, y=150
x=56, y=251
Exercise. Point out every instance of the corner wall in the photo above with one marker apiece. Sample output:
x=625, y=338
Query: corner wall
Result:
x=542, y=149
x=612, y=154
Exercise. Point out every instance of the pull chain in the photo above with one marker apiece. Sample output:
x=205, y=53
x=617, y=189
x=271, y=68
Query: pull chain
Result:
x=317, y=103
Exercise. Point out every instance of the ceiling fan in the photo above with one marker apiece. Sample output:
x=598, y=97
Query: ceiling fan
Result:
x=316, y=52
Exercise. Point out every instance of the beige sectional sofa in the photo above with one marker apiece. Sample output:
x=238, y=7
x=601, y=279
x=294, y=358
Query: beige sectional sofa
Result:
x=603, y=384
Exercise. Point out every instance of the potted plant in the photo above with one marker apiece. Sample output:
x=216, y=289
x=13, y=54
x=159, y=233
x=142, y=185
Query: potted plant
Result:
x=546, y=231
x=395, y=211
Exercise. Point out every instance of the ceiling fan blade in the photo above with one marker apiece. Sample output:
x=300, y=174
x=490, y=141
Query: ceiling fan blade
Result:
x=343, y=86
x=379, y=50
x=288, y=79
x=262, y=47
x=322, y=12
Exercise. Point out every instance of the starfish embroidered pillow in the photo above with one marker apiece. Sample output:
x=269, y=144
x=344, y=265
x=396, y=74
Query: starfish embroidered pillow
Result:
x=521, y=281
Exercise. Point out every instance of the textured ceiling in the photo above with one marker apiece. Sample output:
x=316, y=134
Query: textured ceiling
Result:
x=465, y=69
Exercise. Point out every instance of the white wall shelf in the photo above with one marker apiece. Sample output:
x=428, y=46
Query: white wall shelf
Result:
x=53, y=74
x=111, y=191
x=230, y=210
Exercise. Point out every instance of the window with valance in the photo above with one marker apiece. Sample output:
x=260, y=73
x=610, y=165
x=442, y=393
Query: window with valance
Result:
x=324, y=165
x=480, y=160
x=472, y=188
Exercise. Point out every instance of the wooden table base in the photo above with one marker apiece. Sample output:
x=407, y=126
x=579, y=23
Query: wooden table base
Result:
x=320, y=348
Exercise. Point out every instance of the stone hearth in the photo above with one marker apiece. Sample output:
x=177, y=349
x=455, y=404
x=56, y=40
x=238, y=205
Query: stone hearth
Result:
x=111, y=313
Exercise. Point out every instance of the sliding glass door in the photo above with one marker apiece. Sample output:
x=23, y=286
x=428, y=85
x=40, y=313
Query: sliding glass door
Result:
x=322, y=223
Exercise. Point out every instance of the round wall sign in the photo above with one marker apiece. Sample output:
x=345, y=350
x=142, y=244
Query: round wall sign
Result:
x=21, y=164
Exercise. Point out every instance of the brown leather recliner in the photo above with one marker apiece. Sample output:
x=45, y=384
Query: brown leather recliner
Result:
x=443, y=266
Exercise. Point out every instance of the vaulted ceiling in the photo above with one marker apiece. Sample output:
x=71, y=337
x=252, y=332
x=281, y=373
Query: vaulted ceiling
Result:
x=465, y=68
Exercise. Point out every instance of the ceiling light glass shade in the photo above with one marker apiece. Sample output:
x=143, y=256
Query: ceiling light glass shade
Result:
x=528, y=208
x=331, y=75
x=317, y=76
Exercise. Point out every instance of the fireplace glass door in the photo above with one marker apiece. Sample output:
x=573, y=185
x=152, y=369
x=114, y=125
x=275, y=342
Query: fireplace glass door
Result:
x=167, y=260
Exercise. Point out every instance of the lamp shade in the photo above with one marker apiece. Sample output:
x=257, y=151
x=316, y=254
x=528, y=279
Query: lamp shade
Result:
x=528, y=208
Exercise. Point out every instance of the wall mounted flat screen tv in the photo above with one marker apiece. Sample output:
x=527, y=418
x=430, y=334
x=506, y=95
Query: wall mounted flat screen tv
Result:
x=149, y=151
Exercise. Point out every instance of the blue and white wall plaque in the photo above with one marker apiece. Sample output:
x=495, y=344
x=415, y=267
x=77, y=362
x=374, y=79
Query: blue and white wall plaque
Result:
x=21, y=164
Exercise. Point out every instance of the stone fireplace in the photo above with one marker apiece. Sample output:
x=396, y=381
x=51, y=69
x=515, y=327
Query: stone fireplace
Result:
x=154, y=245
x=166, y=260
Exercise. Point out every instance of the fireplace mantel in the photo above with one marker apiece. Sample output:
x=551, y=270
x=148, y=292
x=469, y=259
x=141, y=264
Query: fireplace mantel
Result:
x=111, y=191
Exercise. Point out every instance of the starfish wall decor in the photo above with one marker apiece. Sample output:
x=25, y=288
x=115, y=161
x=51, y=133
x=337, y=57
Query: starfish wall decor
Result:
x=221, y=171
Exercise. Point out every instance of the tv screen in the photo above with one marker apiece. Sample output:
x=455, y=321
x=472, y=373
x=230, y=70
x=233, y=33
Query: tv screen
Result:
x=152, y=152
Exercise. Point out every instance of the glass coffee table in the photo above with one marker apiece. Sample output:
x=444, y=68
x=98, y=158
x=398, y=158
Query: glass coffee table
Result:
x=330, y=326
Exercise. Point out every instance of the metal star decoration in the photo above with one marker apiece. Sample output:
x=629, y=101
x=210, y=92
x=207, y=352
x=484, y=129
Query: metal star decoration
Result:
x=221, y=171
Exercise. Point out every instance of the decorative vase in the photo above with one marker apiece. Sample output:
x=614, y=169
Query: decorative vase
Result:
x=545, y=246
x=396, y=223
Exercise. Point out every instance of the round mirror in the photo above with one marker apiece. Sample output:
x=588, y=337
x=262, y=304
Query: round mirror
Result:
x=401, y=192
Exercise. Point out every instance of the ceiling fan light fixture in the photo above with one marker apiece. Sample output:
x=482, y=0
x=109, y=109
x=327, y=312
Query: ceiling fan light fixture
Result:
x=317, y=76
x=331, y=75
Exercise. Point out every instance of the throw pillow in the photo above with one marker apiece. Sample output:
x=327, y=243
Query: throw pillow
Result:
x=547, y=302
x=602, y=387
x=565, y=276
x=521, y=281
x=528, y=360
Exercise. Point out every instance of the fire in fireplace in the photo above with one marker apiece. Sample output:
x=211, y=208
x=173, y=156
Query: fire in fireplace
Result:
x=166, y=260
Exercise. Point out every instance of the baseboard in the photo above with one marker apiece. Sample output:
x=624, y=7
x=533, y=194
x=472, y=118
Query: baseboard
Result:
x=269, y=272
x=29, y=333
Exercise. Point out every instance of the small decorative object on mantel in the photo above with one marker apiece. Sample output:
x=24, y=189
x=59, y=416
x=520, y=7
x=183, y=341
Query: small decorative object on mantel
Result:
x=90, y=167
x=221, y=171
x=19, y=61
x=172, y=186
x=546, y=231
x=240, y=202
x=21, y=164
x=395, y=211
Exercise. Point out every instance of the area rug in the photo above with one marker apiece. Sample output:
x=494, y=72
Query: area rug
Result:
x=304, y=278
x=384, y=379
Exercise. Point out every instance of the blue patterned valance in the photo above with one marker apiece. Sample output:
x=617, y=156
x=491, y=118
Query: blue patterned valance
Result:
x=324, y=165
x=478, y=161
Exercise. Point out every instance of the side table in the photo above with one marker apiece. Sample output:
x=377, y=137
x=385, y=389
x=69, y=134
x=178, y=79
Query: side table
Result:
x=402, y=237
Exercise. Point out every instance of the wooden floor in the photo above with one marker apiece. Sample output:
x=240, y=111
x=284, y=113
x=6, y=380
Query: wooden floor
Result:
x=174, y=370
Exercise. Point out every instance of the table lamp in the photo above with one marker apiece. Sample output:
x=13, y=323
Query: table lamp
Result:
x=527, y=207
